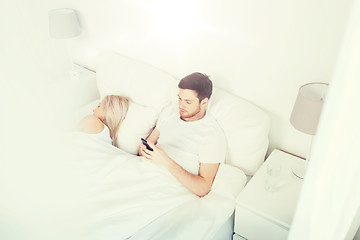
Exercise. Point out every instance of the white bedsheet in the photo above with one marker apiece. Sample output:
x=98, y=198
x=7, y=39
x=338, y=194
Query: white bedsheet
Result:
x=126, y=196
x=197, y=219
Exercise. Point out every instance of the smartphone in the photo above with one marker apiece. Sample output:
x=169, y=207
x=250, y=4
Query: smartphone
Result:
x=146, y=144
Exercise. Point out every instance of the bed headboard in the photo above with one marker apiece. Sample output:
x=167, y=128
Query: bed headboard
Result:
x=150, y=89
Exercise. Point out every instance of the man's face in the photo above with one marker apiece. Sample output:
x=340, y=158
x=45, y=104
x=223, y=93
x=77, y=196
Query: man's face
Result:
x=190, y=108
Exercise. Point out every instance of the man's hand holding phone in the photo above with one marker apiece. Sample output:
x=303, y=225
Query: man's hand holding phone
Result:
x=154, y=153
x=144, y=145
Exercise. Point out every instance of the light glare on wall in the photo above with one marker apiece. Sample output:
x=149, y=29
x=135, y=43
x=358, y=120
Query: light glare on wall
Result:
x=175, y=18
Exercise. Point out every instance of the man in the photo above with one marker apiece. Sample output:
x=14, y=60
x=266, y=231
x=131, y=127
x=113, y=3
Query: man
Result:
x=187, y=141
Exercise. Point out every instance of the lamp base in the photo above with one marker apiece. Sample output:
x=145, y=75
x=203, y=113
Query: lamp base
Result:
x=299, y=171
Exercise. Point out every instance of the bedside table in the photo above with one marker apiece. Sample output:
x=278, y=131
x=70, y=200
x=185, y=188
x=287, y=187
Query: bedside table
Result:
x=66, y=94
x=261, y=214
x=74, y=92
x=82, y=88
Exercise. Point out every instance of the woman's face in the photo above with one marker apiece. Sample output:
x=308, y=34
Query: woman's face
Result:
x=100, y=111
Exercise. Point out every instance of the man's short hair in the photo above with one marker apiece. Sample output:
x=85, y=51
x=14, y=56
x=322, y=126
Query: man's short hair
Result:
x=198, y=82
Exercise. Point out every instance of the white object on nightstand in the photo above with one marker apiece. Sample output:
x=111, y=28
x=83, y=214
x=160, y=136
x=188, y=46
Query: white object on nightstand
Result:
x=261, y=214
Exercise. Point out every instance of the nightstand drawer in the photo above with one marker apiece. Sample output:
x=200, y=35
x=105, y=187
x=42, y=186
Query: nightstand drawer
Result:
x=254, y=227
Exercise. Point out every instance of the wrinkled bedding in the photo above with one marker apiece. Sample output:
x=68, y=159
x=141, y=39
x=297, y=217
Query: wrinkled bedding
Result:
x=122, y=193
x=127, y=197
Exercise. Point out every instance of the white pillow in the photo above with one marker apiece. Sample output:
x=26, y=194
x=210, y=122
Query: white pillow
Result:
x=229, y=181
x=138, y=123
x=141, y=82
x=246, y=128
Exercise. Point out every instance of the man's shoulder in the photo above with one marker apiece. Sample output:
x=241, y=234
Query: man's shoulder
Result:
x=168, y=114
x=211, y=121
x=170, y=110
x=214, y=127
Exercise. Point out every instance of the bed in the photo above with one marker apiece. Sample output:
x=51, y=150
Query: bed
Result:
x=127, y=198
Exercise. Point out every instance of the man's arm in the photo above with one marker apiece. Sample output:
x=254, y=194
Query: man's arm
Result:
x=198, y=184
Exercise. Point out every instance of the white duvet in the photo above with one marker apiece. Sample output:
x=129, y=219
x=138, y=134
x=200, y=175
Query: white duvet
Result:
x=125, y=196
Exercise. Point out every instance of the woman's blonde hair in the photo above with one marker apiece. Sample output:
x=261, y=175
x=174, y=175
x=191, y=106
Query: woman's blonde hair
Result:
x=116, y=108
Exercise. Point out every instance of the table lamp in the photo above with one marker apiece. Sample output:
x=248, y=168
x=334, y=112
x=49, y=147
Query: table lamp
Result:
x=63, y=23
x=306, y=114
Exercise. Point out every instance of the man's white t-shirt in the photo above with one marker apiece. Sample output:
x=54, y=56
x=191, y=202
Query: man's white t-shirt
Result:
x=191, y=143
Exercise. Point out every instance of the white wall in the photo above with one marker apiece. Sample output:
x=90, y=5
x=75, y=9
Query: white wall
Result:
x=329, y=203
x=260, y=50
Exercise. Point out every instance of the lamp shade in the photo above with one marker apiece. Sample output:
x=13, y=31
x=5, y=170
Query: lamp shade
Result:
x=63, y=23
x=307, y=109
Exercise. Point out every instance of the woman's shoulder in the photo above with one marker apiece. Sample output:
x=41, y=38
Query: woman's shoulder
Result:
x=91, y=124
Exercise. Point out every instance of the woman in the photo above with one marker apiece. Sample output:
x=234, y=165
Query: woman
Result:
x=106, y=119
